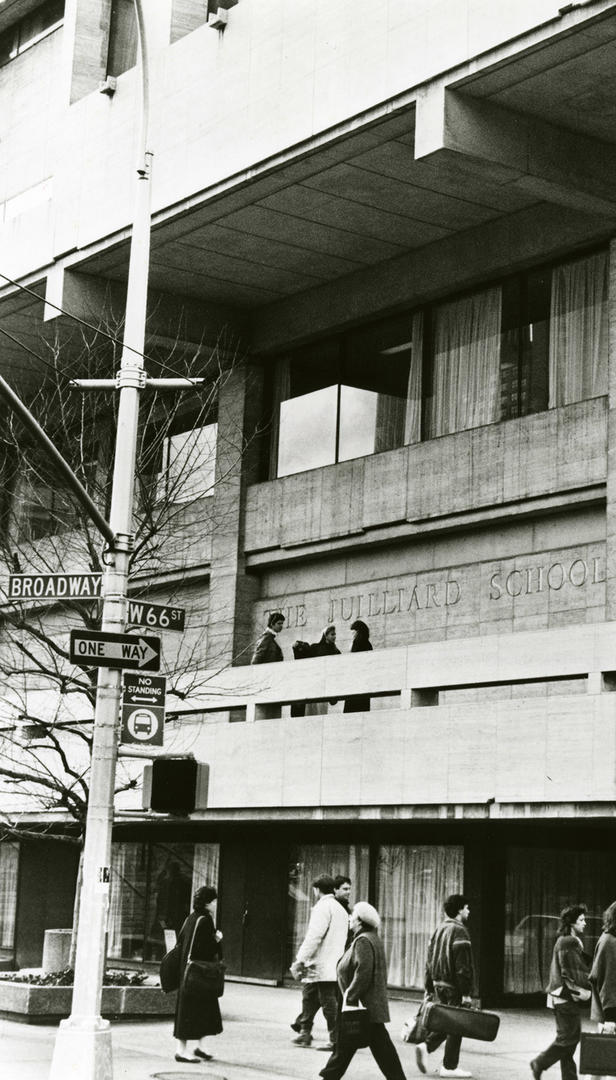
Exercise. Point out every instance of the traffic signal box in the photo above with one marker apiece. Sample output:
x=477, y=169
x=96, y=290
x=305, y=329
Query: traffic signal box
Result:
x=176, y=785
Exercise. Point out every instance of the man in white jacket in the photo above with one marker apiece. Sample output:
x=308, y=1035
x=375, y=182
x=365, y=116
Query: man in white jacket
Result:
x=316, y=962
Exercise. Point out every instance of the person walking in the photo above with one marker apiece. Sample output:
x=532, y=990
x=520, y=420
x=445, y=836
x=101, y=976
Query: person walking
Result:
x=450, y=978
x=197, y=1014
x=362, y=979
x=267, y=650
x=568, y=988
x=361, y=643
x=316, y=961
x=603, y=977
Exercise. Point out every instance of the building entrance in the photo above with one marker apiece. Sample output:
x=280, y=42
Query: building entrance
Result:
x=253, y=919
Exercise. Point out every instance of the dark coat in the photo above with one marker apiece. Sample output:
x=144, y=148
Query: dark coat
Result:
x=267, y=649
x=450, y=959
x=603, y=979
x=363, y=972
x=568, y=970
x=324, y=648
x=197, y=1015
x=359, y=702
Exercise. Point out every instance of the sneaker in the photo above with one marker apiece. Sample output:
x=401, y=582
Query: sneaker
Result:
x=536, y=1071
x=421, y=1057
x=303, y=1040
x=454, y=1072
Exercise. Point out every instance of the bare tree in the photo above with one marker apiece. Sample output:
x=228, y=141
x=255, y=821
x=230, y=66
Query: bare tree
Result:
x=47, y=706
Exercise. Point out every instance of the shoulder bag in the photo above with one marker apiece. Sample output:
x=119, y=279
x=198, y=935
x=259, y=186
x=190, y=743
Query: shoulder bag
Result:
x=414, y=1029
x=353, y=1025
x=203, y=976
x=169, y=970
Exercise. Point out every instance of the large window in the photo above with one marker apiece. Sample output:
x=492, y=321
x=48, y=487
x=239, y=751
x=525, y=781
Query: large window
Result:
x=31, y=29
x=534, y=341
x=411, y=885
x=151, y=893
x=349, y=396
x=539, y=884
x=308, y=863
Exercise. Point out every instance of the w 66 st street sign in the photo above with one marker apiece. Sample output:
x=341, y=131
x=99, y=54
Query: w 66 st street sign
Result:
x=95, y=648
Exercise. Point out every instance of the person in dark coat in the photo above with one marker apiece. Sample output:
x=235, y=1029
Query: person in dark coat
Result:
x=362, y=979
x=197, y=1015
x=267, y=649
x=603, y=976
x=361, y=643
x=567, y=989
x=325, y=646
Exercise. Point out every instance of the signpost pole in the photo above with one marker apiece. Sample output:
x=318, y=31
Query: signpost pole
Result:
x=83, y=1044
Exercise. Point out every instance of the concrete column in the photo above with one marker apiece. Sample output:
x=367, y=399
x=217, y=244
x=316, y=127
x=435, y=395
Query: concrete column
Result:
x=610, y=507
x=85, y=46
x=232, y=591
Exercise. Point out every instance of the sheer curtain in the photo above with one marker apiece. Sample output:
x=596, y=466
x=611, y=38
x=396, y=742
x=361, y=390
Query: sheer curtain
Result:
x=412, y=883
x=578, y=330
x=540, y=882
x=412, y=421
x=466, y=366
x=9, y=862
x=309, y=862
x=127, y=901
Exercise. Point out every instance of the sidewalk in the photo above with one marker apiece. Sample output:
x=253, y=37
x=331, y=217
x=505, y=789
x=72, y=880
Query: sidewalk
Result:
x=256, y=1045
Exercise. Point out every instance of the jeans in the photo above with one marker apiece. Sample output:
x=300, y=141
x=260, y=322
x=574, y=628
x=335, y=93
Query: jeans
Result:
x=568, y=1031
x=315, y=996
x=446, y=995
x=382, y=1049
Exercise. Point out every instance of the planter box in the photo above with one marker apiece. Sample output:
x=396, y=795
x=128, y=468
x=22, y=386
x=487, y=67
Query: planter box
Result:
x=32, y=1004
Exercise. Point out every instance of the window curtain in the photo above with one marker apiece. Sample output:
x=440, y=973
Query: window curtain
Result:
x=127, y=901
x=9, y=863
x=412, y=423
x=309, y=862
x=540, y=882
x=411, y=885
x=466, y=364
x=578, y=330
x=190, y=464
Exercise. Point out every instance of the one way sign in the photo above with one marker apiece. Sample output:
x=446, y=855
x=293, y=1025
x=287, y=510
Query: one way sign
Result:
x=95, y=648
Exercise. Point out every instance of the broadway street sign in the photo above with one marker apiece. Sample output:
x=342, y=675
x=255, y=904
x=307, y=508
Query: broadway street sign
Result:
x=52, y=586
x=95, y=648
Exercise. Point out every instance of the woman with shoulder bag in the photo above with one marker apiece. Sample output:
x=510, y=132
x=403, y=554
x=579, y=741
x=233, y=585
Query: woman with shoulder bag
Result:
x=197, y=1012
x=568, y=989
x=362, y=979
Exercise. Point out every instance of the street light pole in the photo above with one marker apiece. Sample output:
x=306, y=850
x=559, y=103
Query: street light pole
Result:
x=83, y=1044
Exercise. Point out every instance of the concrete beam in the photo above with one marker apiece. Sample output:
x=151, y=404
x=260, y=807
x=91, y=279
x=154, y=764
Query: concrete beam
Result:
x=507, y=147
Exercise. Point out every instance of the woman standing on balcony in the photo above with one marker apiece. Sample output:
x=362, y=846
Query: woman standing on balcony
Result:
x=361, y=643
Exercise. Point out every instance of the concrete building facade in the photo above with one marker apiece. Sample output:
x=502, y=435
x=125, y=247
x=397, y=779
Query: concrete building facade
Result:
x=402, y=215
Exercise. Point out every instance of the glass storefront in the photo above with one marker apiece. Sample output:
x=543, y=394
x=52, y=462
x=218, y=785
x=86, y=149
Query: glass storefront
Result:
x=308, y=863
x=151, y=892
x=540, y=882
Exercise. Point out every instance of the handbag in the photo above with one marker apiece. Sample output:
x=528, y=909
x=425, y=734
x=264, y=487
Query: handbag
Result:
x=598, y=1054
x=169, y=971
x=414, y=1029
x=203, y=976
x=456, y=1020
x=353, y=1025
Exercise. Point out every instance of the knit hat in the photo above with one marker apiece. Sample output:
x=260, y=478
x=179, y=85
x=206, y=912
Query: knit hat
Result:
x=368, y=914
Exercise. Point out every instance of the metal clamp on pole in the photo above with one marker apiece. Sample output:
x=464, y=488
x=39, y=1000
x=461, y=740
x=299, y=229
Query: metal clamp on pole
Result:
x=134, y=377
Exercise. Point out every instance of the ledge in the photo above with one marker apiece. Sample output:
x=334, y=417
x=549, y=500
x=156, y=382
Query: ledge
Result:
x=31, y=1004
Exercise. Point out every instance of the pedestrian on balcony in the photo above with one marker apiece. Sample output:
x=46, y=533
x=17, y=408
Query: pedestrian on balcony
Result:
x=267, y=650
x=197, y=1013
x=568, y=988
x=603, y=977
x=361, y=643
x=325, y=646
x=362, y=980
